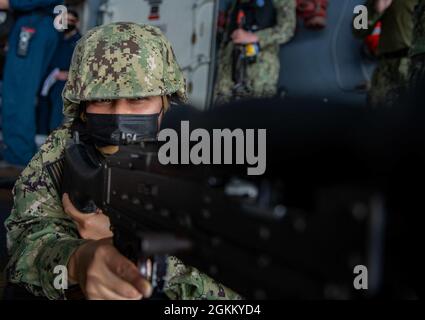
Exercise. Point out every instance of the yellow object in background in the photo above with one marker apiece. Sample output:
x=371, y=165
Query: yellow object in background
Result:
x=251, y=50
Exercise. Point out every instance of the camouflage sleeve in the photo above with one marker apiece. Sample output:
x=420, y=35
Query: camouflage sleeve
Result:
x=40, y=236
x=373, y=18
x=284, y=29
x=187, y=283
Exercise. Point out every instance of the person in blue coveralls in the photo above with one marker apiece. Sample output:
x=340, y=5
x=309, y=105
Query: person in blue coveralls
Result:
x=32, y=44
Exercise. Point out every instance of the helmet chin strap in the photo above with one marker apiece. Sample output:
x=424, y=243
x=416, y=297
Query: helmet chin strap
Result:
x=165, y=103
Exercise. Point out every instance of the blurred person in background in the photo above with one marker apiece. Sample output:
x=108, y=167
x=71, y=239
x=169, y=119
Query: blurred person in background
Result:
x=31, y=45
x=395, y=41
x=248, y=60
x=50, y=114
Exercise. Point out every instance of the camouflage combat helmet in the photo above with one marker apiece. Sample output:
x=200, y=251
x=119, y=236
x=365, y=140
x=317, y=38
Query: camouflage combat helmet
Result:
x=122, y=60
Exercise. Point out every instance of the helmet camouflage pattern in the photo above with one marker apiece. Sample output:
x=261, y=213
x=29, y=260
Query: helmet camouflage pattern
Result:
x=122, y=60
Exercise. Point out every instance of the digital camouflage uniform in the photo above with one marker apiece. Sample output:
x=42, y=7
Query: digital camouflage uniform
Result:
x=263, y=75
x=417, y=52
x=120, y=60
x=391, y=74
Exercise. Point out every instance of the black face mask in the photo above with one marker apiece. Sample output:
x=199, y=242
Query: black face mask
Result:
x=119, y=129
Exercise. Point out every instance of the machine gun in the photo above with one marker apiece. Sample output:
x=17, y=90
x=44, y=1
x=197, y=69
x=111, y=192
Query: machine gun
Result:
x=297, y=232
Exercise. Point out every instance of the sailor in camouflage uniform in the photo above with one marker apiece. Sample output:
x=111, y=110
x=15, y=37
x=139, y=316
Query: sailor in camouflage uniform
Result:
x=391, y=74
x=112, y=62
x=276, y=20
